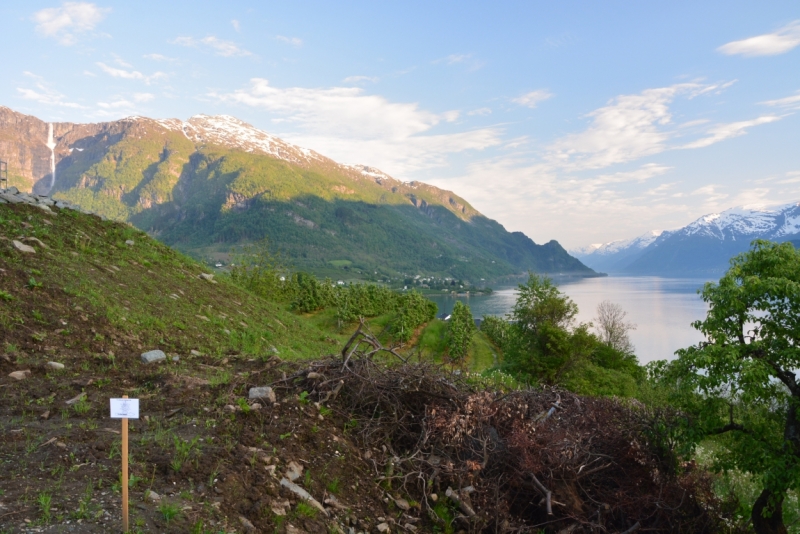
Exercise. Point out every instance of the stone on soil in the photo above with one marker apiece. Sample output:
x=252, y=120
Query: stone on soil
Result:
x=55, y=365
x=246, y=524
x=294, y=471
x=153, y=356
x=303, y=494
x=20, y=375
x=75, y=399
x=383, y=527
x=264, y=392
x=152, y=496
x=22, y=247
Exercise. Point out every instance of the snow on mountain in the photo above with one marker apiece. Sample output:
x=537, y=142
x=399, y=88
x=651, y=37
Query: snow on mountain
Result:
x=615, y=247
x=234, y=133
x=748, y=221
x=702, y=247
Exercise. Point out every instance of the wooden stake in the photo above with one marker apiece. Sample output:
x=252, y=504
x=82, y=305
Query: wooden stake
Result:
x=125, y=472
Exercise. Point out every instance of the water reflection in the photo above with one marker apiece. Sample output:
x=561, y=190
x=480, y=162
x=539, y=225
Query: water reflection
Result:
x=662, y=308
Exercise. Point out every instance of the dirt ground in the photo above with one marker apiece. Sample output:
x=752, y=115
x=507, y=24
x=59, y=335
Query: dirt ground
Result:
x=202, y=448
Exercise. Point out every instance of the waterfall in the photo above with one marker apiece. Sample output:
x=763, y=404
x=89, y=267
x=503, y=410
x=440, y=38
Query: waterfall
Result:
x=51, y=145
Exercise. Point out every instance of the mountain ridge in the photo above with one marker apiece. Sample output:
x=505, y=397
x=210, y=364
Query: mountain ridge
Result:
x=211, y=183
x=702, y=247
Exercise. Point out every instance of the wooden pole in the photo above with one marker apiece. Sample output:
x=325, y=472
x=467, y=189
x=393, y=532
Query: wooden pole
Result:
x=125, y=472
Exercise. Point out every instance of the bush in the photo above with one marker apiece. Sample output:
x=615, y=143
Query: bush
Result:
x=460, y=331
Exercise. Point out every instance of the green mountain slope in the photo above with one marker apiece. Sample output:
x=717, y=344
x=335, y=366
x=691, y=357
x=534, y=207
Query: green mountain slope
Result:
x=211, y=183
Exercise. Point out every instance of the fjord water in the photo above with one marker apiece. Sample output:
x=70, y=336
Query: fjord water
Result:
x=662, y=308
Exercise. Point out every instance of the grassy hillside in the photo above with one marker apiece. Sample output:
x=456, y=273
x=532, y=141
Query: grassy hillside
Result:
x=86, y=291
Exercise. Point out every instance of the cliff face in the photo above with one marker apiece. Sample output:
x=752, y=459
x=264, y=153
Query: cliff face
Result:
x=23, y=145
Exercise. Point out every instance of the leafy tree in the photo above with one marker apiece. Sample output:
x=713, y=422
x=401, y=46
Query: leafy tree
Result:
x=460, y=331
x=497, y=330
x=542, y=342
x=413, y=310
x=740, y=385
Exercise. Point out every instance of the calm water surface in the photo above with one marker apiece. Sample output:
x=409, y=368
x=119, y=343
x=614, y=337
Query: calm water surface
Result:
x=662, y=308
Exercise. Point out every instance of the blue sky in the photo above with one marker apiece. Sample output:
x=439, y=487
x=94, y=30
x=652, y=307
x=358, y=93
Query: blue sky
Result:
x=583, y=121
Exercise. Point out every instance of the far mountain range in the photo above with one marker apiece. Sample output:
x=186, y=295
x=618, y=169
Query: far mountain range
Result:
x=211, y=183
x=703, y=248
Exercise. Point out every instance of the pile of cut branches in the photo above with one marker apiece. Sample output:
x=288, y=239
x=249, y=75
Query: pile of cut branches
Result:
x=524, y=461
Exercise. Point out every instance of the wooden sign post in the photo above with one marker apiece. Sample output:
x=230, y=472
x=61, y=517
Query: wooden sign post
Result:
x=124, y=409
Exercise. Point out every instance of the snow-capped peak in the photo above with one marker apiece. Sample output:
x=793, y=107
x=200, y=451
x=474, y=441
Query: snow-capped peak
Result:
x=762, y=221
x=231, y=132
x=613, y=247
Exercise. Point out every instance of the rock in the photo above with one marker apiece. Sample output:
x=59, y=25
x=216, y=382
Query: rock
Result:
x=176, y=358
x=55, y=365
x=195, y=352
x=264, y=392
x=434, y=497
x=410, y=527
x=313, y=376
x=11, y=199
x=246, y=524
x=45, y=415
x=34, y=240
x=273, y=350
x=229, y=408
x=152, y=496
x=23, y=247
x=12, y=190
x=291, y=529
x=130, y=242
x=303, y=494
x=20, y=375
x=383, y=527
x=75, y=399
x=255, y=406
x=294, y=471
x=153, y=356
x=208, y=277
x=280, y=507
x=402, y=504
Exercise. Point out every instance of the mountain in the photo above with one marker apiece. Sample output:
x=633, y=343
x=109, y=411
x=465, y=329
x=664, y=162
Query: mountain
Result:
x=211, y=183
x=702, y=248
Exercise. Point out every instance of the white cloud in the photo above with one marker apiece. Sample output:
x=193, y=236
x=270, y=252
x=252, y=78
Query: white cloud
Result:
x=67, y=22
x=726, y=131
x=359, y=79
x=532, y=99
x=480, y=111
x=116, y=104
x=220, y=47
x=143, y=97
x=630, y=127
x=789, y=101
x=778, y=42
x=235, y=24
x=90, y=73
x=159, y=57
x=348, y=125
x=130, y=74
x=43, y=94
x=294, y=41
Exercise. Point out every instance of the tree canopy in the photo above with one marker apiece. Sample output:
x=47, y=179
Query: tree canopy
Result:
x=740, y=384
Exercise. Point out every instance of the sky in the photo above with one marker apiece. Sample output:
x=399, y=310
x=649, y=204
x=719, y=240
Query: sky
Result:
x=580, y=121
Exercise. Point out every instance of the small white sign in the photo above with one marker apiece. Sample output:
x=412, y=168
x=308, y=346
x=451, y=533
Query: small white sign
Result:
x=124, y=408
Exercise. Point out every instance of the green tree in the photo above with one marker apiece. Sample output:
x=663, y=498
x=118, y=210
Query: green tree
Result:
x=460, y=331
x=740, y=384
x=543, y=344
